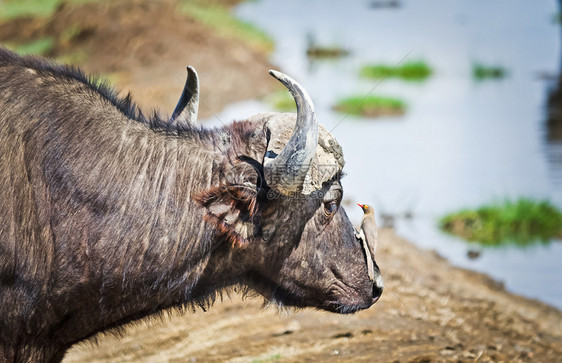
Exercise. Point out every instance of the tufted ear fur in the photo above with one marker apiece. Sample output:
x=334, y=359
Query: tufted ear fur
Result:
x=232, y=210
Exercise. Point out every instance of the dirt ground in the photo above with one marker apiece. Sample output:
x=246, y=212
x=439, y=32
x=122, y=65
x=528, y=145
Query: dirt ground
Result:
x=430, y=311
x=145, y=46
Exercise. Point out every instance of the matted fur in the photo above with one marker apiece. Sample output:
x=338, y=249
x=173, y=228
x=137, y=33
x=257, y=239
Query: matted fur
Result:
x=107, y=216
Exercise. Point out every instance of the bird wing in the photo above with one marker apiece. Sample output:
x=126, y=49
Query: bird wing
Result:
x=370, y=231
x=369, y=258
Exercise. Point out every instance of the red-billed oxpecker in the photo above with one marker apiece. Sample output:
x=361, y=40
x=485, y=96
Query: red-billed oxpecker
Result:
x=368, y=235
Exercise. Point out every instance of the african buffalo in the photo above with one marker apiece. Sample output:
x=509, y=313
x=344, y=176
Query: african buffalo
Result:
x=108, y=216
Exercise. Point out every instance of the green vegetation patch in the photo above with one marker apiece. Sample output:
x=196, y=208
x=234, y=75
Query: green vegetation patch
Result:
x=282, y=101
x=317, y=51
x=37, y=47
x=521, y=222
x=481, y=72
x=268, y=358
x=75, y=57
x=411, y=71
x=326, y=52
x=371, y=106
x=10, y=9
x=220, y=18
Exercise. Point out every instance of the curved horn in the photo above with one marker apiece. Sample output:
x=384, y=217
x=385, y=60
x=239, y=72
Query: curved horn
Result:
x=286, y=172
x=187, y=108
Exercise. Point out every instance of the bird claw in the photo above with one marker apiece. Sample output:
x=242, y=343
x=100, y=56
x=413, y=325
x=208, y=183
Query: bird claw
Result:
x=360, y=236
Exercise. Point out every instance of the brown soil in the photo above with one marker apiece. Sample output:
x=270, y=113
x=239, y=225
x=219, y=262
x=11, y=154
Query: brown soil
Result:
x=145, y=46
x=430, y=311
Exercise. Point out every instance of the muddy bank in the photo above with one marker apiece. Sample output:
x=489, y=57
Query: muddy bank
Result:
x=144, y=47
x=430, y=311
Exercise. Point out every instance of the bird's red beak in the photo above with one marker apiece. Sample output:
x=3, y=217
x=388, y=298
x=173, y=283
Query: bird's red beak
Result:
x=361, y=205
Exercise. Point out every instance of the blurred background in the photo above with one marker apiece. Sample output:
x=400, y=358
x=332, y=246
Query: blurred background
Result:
x=449, y=112
x=466, y=115
x=450, y=105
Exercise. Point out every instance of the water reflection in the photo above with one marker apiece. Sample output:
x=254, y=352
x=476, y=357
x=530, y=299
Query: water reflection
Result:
x=554, y=131
x=554, y=121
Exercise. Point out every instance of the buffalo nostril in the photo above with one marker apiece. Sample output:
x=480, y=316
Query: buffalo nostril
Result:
x=377, y=292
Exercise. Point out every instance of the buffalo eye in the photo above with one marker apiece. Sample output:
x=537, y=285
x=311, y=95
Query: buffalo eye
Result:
x=330, y=208
x=331, y=200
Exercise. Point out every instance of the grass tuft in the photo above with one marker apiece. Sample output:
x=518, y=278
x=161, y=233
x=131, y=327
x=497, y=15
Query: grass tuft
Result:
x=10, y=9
x=318, y=51
x=481, y=72
x=40, y=46
x=282, y=101
x=268, y=358
x=521, y=222
x=411, y=71
x=314, y=50
x=371, y=106
x=16, y=8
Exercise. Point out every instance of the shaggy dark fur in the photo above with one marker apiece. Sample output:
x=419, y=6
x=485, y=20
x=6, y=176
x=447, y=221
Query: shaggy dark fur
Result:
x=107, y=216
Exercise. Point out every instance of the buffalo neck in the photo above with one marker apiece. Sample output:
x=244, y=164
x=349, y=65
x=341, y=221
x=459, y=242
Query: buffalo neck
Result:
x=127, y=198
x=99, y=223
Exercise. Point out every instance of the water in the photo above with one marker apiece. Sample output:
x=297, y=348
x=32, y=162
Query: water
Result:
x=462, y=143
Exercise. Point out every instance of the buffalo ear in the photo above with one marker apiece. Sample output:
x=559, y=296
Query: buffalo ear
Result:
x=232, y=210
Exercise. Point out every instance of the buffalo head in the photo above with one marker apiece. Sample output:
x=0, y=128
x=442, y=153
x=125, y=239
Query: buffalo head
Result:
x=278, y=206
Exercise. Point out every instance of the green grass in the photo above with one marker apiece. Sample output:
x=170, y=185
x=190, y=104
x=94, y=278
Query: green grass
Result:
x=44, y=46
x=521, y=222
x=221, y=19
x=37, y=47
x=70, y=33
x=481, y=72
x=333, y=51
x=282, y=101
x=267, y=358
x=371, y=106
x=75, y=57
x=411, y=71
x=326, y=52
x=10, y=9
x=317, y=51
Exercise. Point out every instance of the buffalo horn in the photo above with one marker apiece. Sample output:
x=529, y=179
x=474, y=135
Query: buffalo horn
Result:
x=286, y=172
x=186, y=110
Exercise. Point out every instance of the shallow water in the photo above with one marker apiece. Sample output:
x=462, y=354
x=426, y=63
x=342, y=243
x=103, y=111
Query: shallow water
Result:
x=462, y=143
